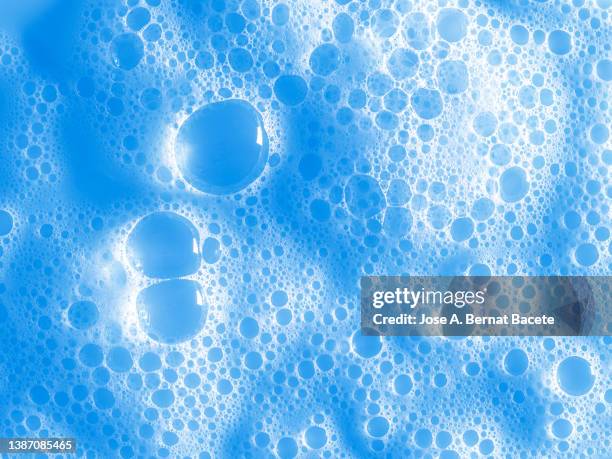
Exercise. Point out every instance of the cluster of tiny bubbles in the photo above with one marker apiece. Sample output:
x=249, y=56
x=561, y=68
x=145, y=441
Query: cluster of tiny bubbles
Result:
x=190, y=192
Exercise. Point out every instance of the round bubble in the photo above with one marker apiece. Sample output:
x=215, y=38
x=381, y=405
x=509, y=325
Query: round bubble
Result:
x=470, y=437
x=574, y=376
x=485, y=124
x=500, y=154
x=164, y=245
x=443, y=439
x=519, y=34
x=224, y=386
x=325, y=59
x=279, y=298
x=149, y=362
x=562, y=428
x=6, y=222
x=103, y=398
x=366, y=346
x=398, y=193
x=163, y=398
x=587, y=254
x=378, y=426
x=172, y=311
x=83, y=315
x=290, y=90
x=462, y=229
x=453, y=77
x=452, y=24
x=39, y=395
x=508, y=132
x=604, y=69
x=315, y=437
x=516, y=362
x=438, y=216
x=280, y=14
x=384, y=23
x=559, y=42
x=222, y=147
x=127, y=50
x=423, y=438
x=287, y=448
x=253, y=360
x=249, y=328
x=418, y=30
x=364, y=197
x=138, y=18
x=240, y=60
x=397, y=222
x=320, y=210
x=403, y=63
x=152, y=32
x=572, y=219
x=486, y=447
x=204, y=60
x=386, y=120
x=599, y=133
x=119, y=359
x=91, y=355
x=235, y=22
x=482, y=209
x=151, y=99
x=427, y=103
x=513, y=184
x=379, y=83
x=402, y=384
x=396, y=100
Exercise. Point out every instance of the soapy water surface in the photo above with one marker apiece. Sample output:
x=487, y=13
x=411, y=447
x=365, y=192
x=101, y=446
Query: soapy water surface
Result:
x=191, y=190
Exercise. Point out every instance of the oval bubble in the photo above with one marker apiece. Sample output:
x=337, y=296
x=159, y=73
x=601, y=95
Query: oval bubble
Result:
x=164, y=245
x=172, y=311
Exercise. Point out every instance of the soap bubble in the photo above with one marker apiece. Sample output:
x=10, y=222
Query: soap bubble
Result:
x=6, y=222
x=574, y=376
x=427, y=103
x=559, y=42
x=516, y=362
x=127, y=51
x=83, y=314
x=164, y=245
x=513, y=184
x=364, y=197
x=172, y=311
x=222, y=147
x=403, y=63
x=325, y=59
x=453, y=77
x=452, y=24
x=290, y=89
x=315, y=437
x=418, y=30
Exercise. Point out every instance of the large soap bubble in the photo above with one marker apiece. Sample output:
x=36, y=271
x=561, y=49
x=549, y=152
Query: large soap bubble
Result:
x=222, y=147
x=164, y=245
x=172, y=311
